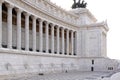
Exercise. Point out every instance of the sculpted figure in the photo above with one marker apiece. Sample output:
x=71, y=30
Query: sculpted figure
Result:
x=79, y=4
x=83, y=4
x=74, y=4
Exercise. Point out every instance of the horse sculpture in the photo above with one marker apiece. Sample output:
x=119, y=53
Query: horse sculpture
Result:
x=79, y=4
x=74, y=5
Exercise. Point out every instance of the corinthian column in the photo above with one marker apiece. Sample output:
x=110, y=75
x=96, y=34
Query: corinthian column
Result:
x=1, y=23
x=34, y=33
x=52, y=39
x=19, y=28
x=26, y=31
x=41, y=35
x=9, y=25
x=67, y=42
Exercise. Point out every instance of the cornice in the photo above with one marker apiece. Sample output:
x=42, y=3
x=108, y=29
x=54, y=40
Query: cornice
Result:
x=84, y=11
x=61, y=9
x=89, y=14
x=100, y=24
x=29, y=53
x=49, y=14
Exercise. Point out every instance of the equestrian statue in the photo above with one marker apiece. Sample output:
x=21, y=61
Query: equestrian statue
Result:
x=79, y=4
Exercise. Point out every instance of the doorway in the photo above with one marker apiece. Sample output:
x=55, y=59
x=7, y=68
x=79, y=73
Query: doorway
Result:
x=92, y=68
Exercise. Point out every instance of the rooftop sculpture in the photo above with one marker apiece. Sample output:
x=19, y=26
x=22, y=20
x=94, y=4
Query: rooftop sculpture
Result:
x=79, y=4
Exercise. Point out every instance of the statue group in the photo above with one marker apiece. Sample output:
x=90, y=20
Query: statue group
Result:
x=79, y=4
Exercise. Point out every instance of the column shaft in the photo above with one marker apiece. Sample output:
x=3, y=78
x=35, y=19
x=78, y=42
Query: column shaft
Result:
x=47, y=37
x=9, y=25
x=40, y=36
x=27, y=32
x=19, y=29
x=58, y=37
x=34, y=33
x=72, y=43
x=67, y=42
x=0, y=24
x=52, y=39
x=63, y=39
x=75, y=43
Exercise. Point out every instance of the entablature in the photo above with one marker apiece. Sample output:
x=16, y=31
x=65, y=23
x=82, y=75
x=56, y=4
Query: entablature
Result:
x=53, y=10
x=100, y=24
x=43, y=13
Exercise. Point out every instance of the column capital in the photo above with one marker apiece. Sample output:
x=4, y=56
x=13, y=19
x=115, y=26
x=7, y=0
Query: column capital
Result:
x=74, y=31
x=71, y=31
x=18, y=10
x=67, y=30
x=1, y=1
x=33, y=17
x=26, y=14
x=52, y=25
x=46, y=22
x=62, y=28
x=58, y=27
x=9, y=6
x=40, y=20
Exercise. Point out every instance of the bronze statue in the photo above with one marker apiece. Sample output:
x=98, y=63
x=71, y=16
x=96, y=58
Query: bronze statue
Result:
x=79, y=4
x=74, y=5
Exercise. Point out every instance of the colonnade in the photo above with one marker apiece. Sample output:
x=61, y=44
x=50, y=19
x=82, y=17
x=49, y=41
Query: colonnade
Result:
x=67, y=42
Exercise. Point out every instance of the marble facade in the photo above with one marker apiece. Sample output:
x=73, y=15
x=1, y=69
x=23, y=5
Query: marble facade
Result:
x=37, y=36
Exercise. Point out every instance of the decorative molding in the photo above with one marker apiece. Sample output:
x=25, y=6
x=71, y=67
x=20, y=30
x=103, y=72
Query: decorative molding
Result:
x=53, y=11
x=18, y=52
x=42, y=13
x=100, y=24
x=84, y=11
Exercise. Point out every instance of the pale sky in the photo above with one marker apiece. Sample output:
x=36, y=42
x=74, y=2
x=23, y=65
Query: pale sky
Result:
x=102, y=10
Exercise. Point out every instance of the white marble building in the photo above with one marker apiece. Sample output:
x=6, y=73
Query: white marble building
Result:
x=37, y=36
